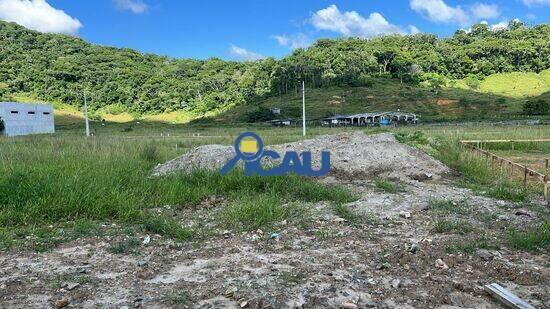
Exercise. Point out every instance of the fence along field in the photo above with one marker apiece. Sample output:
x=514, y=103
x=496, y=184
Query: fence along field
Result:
x=528, y=173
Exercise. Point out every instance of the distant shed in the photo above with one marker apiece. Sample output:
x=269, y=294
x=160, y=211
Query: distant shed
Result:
x=26, y=118
x=371, y=119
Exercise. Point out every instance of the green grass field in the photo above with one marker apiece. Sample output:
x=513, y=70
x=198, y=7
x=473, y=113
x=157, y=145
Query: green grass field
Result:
x=68, y=184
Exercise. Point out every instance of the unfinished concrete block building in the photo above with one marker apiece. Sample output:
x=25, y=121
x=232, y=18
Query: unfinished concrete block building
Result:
x=26, y=119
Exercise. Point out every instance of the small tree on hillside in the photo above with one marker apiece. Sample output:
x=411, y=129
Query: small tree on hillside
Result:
x=260, y=114
x=536, y=107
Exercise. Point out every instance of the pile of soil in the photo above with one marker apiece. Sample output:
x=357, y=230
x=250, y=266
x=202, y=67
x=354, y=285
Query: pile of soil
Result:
x=352, y=153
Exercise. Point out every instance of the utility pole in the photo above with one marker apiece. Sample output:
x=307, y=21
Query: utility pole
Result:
x=86, y=116
x=304, y=107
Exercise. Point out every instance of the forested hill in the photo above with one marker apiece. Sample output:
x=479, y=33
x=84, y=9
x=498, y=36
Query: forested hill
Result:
x=58, y=68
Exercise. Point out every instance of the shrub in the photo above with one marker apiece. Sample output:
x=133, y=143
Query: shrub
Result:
x=115, y=109
x=433, y=80
x=472, y=82
x=536, y=107
x=366, y=80
x=261, y=114
x=413, y=139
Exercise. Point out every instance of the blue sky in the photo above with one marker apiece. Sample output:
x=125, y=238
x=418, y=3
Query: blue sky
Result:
x=248, y=29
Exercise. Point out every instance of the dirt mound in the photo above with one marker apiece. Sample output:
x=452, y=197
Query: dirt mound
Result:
x=207, y=157
x=352, y=154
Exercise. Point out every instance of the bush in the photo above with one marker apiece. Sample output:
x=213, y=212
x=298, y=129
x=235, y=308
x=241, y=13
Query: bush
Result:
x=366, y=81
x=261, y=114
x=433, y=80
x=2, y=126
x=472, y=82
x=412, y=139
x=115, y=109
x=536, y=107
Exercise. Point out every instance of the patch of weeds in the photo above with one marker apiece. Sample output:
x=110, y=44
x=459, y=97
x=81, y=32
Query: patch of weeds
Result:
x=292, y=277
x=531, y=239
x=7, y=240
x=414, y=139
x=83, y=279
x=486, y=216
x=166, y=227
x=324, y=234
x=449, y=207
x=85, y=228
x=125, y=246
x=254, y=212
x=470, y=247
x=41, y=239
x=454, y=227
x=299, y=214
x=508, y=191
x=345, y=212
x=149, y=153
x=477, y=173
x=180, y=298
x=60, y=280
x=388, y=185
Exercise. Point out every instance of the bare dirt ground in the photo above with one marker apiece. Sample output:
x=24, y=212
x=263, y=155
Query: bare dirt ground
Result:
x=394, y=257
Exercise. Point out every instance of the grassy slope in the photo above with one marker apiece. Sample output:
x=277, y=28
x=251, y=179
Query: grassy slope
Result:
x=517, y=85
x=499, y=96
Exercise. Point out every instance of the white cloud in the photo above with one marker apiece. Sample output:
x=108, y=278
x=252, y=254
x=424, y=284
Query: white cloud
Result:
x=244, y=54
x=135, y=6
x=413, y=30
x=536, y=2
x=503, y=25
x=481, y=10
x=441, y=12
x=353, y=24
x=295, y=41
x=38, y=15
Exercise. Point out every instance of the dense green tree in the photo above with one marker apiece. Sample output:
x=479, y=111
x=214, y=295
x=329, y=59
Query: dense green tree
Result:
x=61, y=68
x=536, y=107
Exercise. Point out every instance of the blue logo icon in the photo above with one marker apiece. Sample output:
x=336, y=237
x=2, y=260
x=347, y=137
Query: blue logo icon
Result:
x=249, y=148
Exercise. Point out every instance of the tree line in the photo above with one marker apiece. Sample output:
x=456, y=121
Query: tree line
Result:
x=60, y=68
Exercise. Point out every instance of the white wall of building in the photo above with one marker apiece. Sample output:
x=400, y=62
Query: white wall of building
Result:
x=26, y=119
